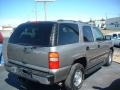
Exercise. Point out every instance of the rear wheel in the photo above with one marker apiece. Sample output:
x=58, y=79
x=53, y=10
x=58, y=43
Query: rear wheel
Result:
x=75, y=78
x=109, y=59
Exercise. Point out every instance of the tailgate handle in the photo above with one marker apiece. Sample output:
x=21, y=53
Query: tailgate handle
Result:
x=27, y=50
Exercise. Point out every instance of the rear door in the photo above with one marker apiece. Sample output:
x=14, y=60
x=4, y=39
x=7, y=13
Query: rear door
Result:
x=103, y=47
x=91, y=46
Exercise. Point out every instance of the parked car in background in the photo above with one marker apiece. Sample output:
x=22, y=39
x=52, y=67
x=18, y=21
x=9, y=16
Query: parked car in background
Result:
x=51, y=52
x=116, y=39
x=108, y=37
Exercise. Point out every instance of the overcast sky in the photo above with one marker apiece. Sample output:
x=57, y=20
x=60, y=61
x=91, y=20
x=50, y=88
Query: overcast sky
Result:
x=14, y=12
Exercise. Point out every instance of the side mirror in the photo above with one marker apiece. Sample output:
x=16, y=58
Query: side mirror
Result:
x=99, y=39
x=107, y=37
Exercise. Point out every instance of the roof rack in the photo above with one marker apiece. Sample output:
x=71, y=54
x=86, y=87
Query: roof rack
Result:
x=66, y=20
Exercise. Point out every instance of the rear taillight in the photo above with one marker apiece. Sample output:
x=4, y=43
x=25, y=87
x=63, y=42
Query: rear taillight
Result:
x=53, y=60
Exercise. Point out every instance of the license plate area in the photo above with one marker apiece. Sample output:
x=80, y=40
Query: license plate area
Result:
x=24, y=72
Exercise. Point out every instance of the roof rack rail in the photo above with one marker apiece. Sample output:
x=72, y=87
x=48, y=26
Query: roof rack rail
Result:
x=79, y=21
x=66, y=20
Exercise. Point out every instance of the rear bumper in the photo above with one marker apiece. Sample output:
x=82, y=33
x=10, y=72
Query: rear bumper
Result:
x=30, y=74
x=36, y=73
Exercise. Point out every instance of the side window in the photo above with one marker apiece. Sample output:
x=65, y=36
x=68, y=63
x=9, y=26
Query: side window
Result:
x=68, y=34
x=97, y=34
x=87, y=34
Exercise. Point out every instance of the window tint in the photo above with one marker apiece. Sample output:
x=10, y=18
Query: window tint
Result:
x=68, y=34
x=98, y=34
x=32, y=34
x=87, y=34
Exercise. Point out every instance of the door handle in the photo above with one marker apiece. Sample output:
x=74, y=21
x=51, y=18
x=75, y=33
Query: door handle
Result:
x=27, y=50
x=98, y=46
x=87, y=48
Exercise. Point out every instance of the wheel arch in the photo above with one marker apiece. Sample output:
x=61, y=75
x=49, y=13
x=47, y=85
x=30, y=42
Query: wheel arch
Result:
x=82, y=61
x=112, y=49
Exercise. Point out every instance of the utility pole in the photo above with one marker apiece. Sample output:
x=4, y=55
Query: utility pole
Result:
x=45, y=10
x=45, y=7
x=36, y=11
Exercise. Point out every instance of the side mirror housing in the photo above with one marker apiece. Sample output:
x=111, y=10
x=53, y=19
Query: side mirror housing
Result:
x=107, y=37
x=99, y=39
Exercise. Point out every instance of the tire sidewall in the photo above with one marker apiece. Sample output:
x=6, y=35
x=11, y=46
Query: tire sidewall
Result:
x=74, y=87
x=69, y=83
x=108, y=62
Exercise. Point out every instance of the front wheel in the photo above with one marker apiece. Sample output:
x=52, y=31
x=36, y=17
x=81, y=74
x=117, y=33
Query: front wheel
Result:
x=75, y=78
x=109, y=59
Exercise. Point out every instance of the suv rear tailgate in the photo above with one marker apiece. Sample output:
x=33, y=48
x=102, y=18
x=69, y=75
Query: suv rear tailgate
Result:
x=28, y=54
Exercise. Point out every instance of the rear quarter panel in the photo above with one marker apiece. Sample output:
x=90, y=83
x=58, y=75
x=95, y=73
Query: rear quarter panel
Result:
x=69, y=53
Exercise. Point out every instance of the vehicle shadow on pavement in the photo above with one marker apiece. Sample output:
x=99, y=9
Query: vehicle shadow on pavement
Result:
x=114, y=86
x=88, y=75
x=13, y=81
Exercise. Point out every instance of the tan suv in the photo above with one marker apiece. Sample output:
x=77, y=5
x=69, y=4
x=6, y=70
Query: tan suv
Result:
x=51, y=52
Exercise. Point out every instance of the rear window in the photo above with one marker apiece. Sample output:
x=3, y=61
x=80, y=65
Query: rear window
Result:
x=33, y=34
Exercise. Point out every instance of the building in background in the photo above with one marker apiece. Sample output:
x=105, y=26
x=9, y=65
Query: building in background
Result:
x=113, y=23
x=0, y=27
x=98, y=23
x=6, y=30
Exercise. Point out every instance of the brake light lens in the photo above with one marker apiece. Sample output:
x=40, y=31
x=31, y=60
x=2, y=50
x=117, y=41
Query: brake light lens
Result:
x=53, y=60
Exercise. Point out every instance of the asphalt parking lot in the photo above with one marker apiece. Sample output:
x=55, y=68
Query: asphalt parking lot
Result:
x=106, y=78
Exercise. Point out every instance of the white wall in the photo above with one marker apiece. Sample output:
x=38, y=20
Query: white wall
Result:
x=6, y=33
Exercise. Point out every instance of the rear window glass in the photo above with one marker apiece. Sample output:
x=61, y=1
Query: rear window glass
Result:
x=32, y=34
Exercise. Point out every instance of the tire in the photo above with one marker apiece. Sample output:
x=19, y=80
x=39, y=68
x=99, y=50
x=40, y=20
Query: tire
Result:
x=109, y=59
x=75, y=78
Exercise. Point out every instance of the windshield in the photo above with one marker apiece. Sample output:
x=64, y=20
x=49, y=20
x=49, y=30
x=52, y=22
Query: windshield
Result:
x=33, y=34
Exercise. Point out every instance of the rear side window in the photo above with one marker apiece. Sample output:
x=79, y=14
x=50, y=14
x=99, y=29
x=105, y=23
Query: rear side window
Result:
x=68, y=34
x=87, y=34
x=33, y=34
